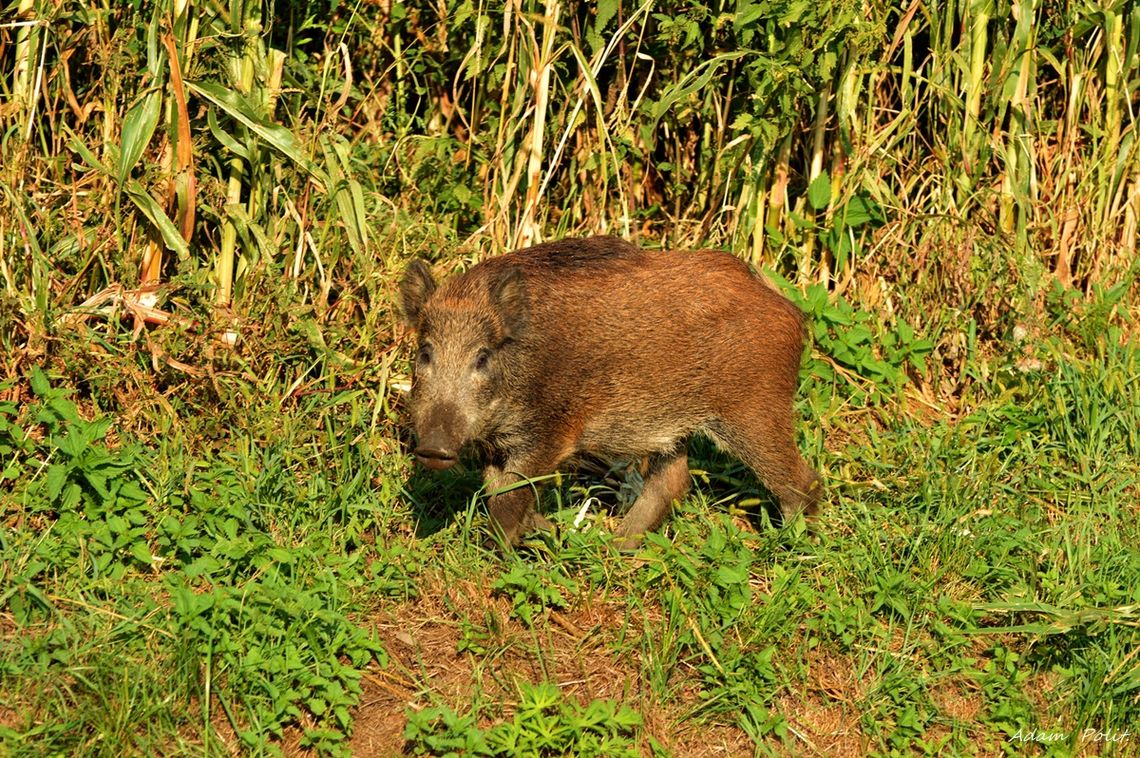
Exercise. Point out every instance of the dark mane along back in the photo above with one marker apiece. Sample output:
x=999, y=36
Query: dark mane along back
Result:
x=570, y=254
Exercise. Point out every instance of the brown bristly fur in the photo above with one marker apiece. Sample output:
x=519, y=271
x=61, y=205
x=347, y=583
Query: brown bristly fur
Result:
x=595, y=346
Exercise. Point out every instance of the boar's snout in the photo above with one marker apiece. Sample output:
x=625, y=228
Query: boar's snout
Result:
x=439, y=440
x=435, y=458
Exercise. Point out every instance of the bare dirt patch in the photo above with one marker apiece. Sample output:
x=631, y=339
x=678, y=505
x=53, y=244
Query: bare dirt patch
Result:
x=10, y=719
x=574, y=649
x=824, y=716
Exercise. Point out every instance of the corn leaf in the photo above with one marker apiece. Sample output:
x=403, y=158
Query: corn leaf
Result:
x=138, y=128
x=349, y=195
x=150, y=208
x=239, y=108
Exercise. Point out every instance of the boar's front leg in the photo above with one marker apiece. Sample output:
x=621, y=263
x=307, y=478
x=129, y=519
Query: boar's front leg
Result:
x=513, y=511
x=667, y=480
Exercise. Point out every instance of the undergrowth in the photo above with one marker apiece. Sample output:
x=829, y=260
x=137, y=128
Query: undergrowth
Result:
x=213, y=539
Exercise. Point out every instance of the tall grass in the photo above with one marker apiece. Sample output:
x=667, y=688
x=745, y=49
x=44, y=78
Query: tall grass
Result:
x=845, y=143
x=211, y=538
x=714, y=122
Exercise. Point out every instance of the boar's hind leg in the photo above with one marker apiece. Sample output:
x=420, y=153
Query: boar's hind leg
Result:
x=767, y=445
x=667, y=480
x=512, y=512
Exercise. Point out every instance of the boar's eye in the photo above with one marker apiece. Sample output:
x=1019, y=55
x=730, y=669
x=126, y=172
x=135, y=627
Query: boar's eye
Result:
x=424, y=356
x=482, y=358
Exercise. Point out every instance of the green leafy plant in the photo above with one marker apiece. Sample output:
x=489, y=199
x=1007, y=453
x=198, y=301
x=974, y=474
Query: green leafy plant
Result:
x=530, y=590
x=98, y=507
x=858, y=346
x=544, y=723
x=280, y=650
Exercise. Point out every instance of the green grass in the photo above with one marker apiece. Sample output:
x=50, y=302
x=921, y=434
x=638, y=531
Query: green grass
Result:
x=970, y=580
x=213, y=539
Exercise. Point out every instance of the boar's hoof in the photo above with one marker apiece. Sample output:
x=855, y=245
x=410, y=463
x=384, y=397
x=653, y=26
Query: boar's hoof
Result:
x=629, y=544
x=497, y=541
x=538, y=523
x=435, y=458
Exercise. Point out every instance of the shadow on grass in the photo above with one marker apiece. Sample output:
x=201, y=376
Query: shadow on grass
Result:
x=439, y=498
x=727, y=483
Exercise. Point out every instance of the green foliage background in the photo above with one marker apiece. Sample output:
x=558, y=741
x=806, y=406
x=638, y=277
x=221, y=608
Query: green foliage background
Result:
x=206, y=504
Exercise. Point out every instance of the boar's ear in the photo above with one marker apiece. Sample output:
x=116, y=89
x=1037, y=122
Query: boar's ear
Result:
x=415, y=288
x=508, y=296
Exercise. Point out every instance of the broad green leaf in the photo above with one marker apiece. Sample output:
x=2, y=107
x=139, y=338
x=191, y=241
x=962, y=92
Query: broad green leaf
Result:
x=727, y=576
x=138, y=128
x=693, y=81
x=281, y=555
x=141, y=553
x=221, y=135
x=858, y=211
x=747, y=13
x=819, y=191
x=239, y=108
x=349, y=195
x=71, y=497
x=39, y=381
x=606, y=10
x=203, y=565
x=154, y=213
x=55, y=479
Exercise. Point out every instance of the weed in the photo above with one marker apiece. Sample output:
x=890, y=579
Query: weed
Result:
x=272, y=630
x=531, y=589
x=207, y=510
x=545, y=723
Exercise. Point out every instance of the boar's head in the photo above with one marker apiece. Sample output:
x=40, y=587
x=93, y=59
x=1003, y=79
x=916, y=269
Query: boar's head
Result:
x=464, y=329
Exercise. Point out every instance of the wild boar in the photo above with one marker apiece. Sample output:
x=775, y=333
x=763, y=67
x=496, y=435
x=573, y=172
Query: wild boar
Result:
x=595, y=346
